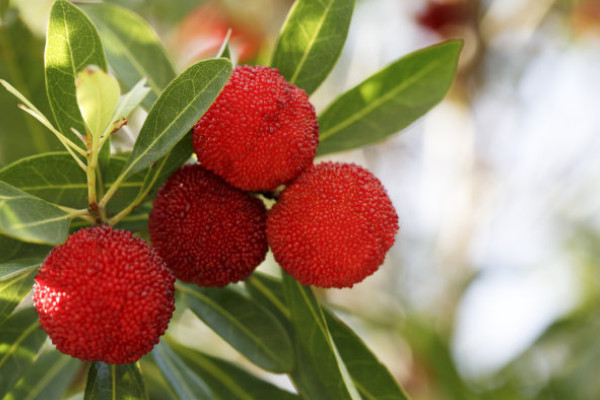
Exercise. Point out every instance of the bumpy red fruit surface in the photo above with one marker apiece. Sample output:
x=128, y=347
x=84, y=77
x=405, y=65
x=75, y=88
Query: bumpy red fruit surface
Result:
x=104, y=295
x=207, y=231
x=332, y=226
x=260, y=132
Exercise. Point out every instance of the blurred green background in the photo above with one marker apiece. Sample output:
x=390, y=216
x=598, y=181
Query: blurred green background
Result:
x=492, y=290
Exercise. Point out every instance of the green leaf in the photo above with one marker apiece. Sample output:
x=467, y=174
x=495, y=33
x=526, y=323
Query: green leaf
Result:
x=244, y=324
x=390, y=100
x=30, y=218
x=21, y=63
x=177, y=109
x=15, y=283
x=20, y=340
x=227, y=380
x=54, y=177
x=311, y=41
x=130, y=100
x=72, y=43
x=186, y=383
x=112, y=381
x=225, y=51
x=133, y=48
x=47, y=379
x=13, y=249
x=314, y=341
x=371, y=378
x=97, y=96
x=3, y=8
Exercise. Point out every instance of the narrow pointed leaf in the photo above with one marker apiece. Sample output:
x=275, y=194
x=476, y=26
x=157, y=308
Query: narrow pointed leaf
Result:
x=112, y=381
x=227, y=380
x=16, y=283
x=184, y=381
x=225, y=51
x=311, y=41
x=390, y=100
x=47, y=379
x=12, y=269
x=130, y=100
x=372, y=379
x=314, y=340
x=97, y=96
x=72, y=43
x=244, y=324
x=13, y=249
x=20, y=340
x=178, y=108
x=134, y=50
x=30, y=218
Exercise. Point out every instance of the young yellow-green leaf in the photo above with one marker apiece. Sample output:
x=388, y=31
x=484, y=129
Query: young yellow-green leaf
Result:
x=390, y=100
x=311, y=41
x=30, y=218
x=177, y=109
x=134, y=50
x=13, y=249
x=226, y=380
x=72, y=43
x=183, y=380
x=112, y=381
x=244, y=324
x=97, y=96
x=130, y=100
x=314, y=341
x=47, y=379
x=20, y=340
x=16, y=282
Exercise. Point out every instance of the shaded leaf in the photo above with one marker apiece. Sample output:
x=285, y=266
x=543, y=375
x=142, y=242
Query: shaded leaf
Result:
x=15, y=283
x=244, y=324
x=97, y=96
x=371, y=378
x=177, y=109
x=390, y=100
x=227, y=380
x=314, y=341
x=311, y=41
x=47, y=379
x=133, y=48
x=112, y=381
x=186, y=383
x=13, y=249
x=72, y=43
x=20, y=340
x=11, y=269
x=21, y=63
x=30, y=218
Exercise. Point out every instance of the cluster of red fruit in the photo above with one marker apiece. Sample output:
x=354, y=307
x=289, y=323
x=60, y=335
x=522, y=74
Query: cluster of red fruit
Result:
x=107, y=296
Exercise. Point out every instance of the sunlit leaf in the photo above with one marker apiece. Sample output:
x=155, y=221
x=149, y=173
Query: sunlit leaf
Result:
x=97, y=96
x=178, y=108
x=72, y=43
x=312, y=40
x=244, y=324
x=134, y=50
x=30, y=218
x=20, y=341
x=112, y=381
x=390, y=100
x=47, y=379
x=184, y=381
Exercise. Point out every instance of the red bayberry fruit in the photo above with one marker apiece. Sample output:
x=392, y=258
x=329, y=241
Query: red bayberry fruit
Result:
x=332, y=226
x=207, y=231
x=104, y=295
x=260, y=132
